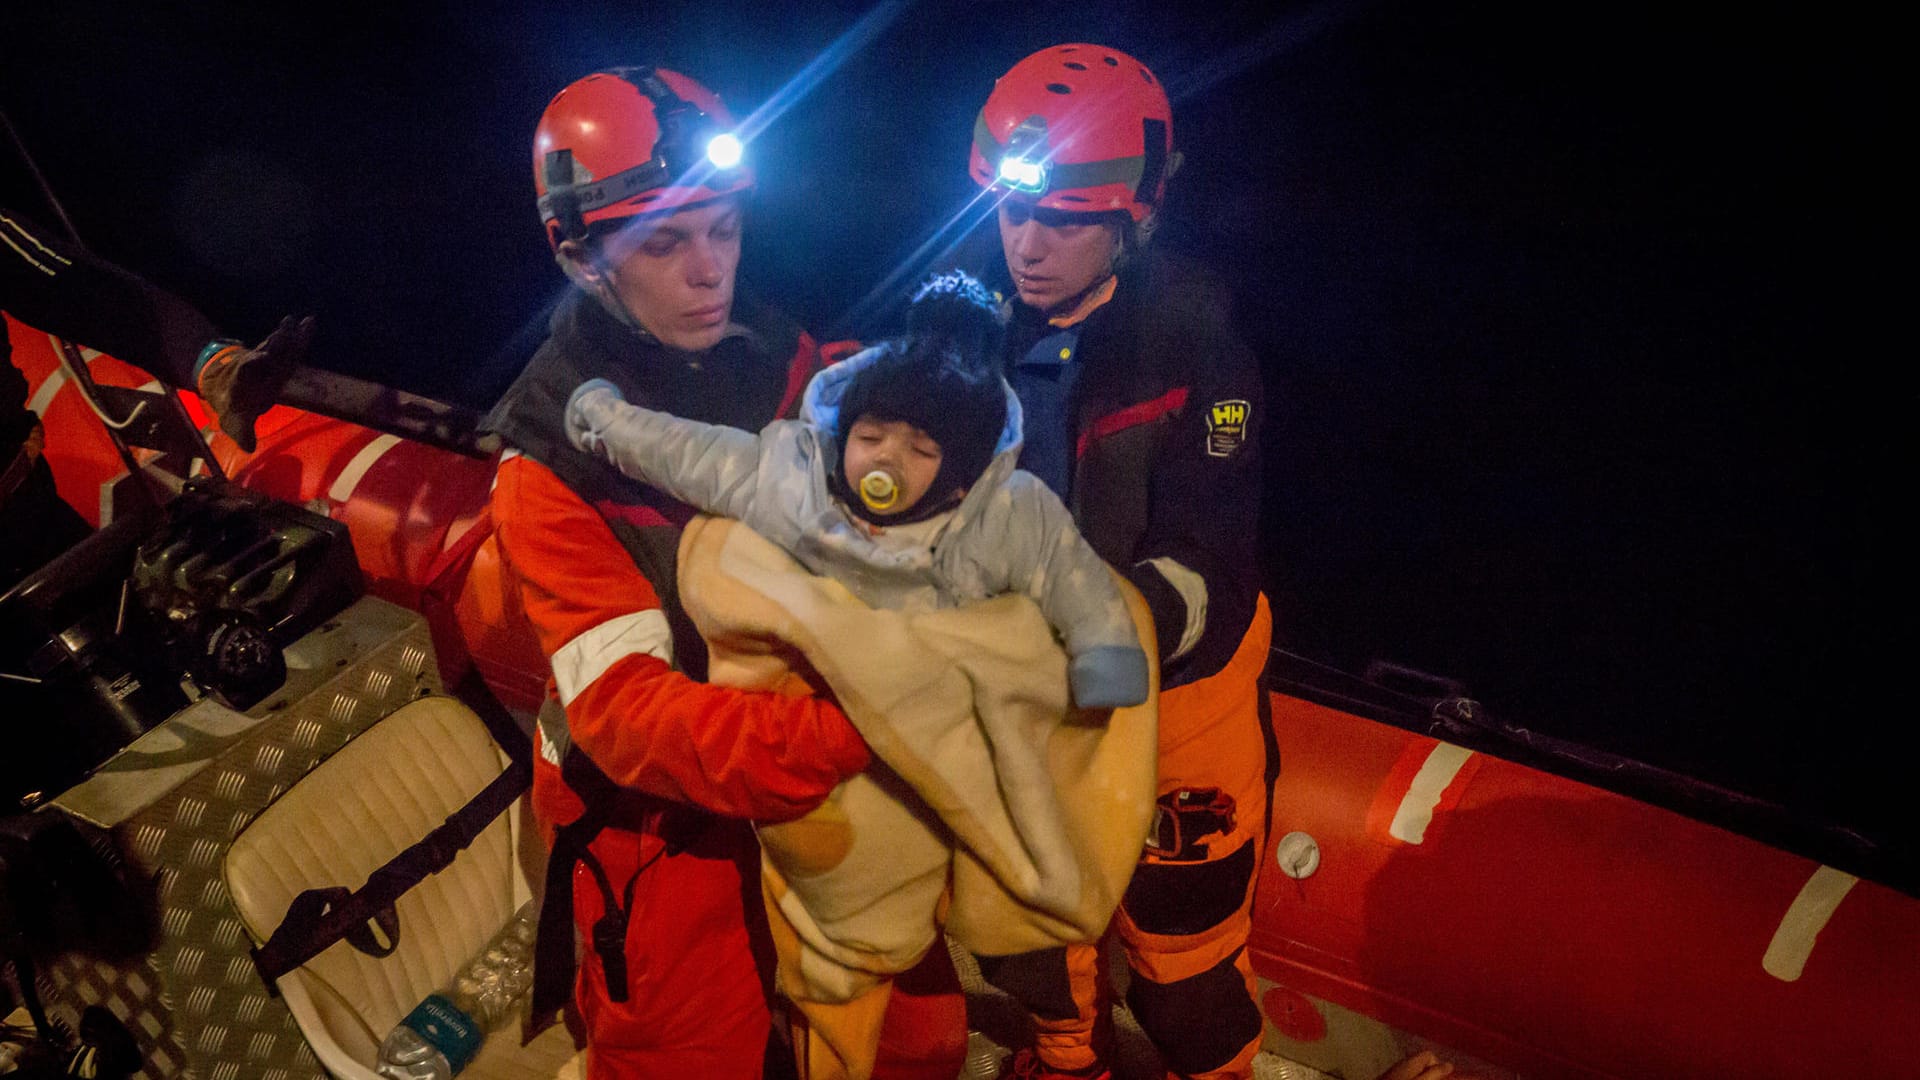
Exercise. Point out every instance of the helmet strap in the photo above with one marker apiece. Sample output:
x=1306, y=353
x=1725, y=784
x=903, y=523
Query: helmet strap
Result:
x=587, y=266
x=601, y=289
x=1135, y=236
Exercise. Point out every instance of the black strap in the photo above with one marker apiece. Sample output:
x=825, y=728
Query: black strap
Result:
x=319, y=917
x=678, y=826
x=475, y=694
x=553, y=963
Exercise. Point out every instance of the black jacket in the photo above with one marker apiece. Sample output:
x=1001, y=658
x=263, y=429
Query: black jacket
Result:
x=747, y=380
x=1166, y=417
x=57, y=287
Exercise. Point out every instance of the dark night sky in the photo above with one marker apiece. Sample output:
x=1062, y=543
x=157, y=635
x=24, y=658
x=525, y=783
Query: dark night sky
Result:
x=1561, y=309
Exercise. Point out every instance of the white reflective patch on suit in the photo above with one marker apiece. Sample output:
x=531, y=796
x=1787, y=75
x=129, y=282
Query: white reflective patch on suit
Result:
x=1410, y=821
x=1193, y=590
x=505, y=456
x=356, y=470
x=1793, y=940
x=587, y=657
x=548, y=752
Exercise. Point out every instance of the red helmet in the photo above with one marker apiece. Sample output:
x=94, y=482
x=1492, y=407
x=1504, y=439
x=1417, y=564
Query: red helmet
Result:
x=629, y=141
x=1076, y=127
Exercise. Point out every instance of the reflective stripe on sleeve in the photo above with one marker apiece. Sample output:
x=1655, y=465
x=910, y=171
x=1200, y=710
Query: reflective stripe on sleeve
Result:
x=587, y=657
x=1192, y=589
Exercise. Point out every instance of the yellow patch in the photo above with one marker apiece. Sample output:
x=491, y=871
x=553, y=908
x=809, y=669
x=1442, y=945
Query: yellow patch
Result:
x=1226, y=427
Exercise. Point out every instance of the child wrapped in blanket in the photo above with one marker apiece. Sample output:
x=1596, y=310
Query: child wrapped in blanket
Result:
x=899, y=482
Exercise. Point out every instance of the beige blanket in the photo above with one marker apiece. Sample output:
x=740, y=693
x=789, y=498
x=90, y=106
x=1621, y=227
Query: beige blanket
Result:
x=991, y=808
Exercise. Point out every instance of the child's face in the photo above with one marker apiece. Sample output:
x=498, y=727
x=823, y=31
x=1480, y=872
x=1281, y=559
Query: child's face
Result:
x=905, y=453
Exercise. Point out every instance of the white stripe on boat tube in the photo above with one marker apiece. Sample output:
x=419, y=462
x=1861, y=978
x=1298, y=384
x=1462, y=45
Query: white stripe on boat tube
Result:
x=356, y=470
x=1416, y=807
x=587, y=657
x=43, y=397
x=55, y=379
x=1793, y=941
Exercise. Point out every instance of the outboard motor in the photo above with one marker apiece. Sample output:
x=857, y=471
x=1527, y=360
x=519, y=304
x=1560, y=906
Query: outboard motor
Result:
x=75, y=688
x=231, y=578
x=142, y=617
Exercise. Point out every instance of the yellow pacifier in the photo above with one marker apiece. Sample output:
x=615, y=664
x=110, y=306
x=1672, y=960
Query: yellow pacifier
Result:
x=879, y=491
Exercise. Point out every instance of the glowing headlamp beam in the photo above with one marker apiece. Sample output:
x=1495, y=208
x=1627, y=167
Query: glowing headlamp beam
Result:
x=724, y=151
x=936, y=249
x=855, y=38
x=1023, y=175
x=732, y=145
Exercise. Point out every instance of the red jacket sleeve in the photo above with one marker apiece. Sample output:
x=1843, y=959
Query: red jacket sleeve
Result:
x=739, y=753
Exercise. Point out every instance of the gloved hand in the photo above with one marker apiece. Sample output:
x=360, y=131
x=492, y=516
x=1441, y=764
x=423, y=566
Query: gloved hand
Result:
x=239, y=383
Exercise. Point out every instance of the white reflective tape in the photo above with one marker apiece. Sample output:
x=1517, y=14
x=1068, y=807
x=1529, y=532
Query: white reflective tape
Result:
x=356, y=470
x=587, y=657
x=106, y=499
x=1792, y=941
x=505, y=456
x=549, y=753
x=1410, y=821
x=42, y=251
x=25, y=255
x=43, y=397
x=1193, y=590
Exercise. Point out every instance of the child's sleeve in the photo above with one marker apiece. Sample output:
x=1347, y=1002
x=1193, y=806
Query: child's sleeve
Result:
x=1077, y=593
x=708, y=466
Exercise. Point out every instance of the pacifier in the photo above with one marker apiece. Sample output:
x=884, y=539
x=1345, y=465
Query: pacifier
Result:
x=879, y=490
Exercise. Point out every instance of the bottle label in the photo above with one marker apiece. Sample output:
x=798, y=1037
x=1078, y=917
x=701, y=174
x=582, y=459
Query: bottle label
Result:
x=451, y=1031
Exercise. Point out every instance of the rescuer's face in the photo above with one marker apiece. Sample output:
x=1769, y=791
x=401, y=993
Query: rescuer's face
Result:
x=1056, y=259
x=675, y=273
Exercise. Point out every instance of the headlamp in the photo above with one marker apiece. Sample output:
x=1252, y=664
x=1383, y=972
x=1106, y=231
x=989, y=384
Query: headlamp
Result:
x=1023, y=175
x=1023, y=165
x=724, y=150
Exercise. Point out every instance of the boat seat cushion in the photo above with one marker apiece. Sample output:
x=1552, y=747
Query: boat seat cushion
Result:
x=381, y=792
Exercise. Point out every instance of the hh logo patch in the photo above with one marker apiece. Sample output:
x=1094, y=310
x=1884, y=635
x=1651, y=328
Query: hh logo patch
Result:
x=1226, y=427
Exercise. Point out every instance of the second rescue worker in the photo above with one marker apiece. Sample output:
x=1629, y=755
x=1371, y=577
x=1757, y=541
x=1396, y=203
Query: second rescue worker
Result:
x=645, y=777
x=1142, y=410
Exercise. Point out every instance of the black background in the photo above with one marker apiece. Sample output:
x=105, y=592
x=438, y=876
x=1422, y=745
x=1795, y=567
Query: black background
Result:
x=1565, y=312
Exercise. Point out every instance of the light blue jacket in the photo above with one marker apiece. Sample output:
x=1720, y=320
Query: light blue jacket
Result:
x=1010, y=533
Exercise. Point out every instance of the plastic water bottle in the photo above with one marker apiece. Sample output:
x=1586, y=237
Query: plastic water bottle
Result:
x=443, y=1033
x=984, y=1057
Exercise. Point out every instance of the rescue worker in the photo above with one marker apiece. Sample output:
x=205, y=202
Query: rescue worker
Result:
x=1142, y=410
x=645, y=779
x=61, y=288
